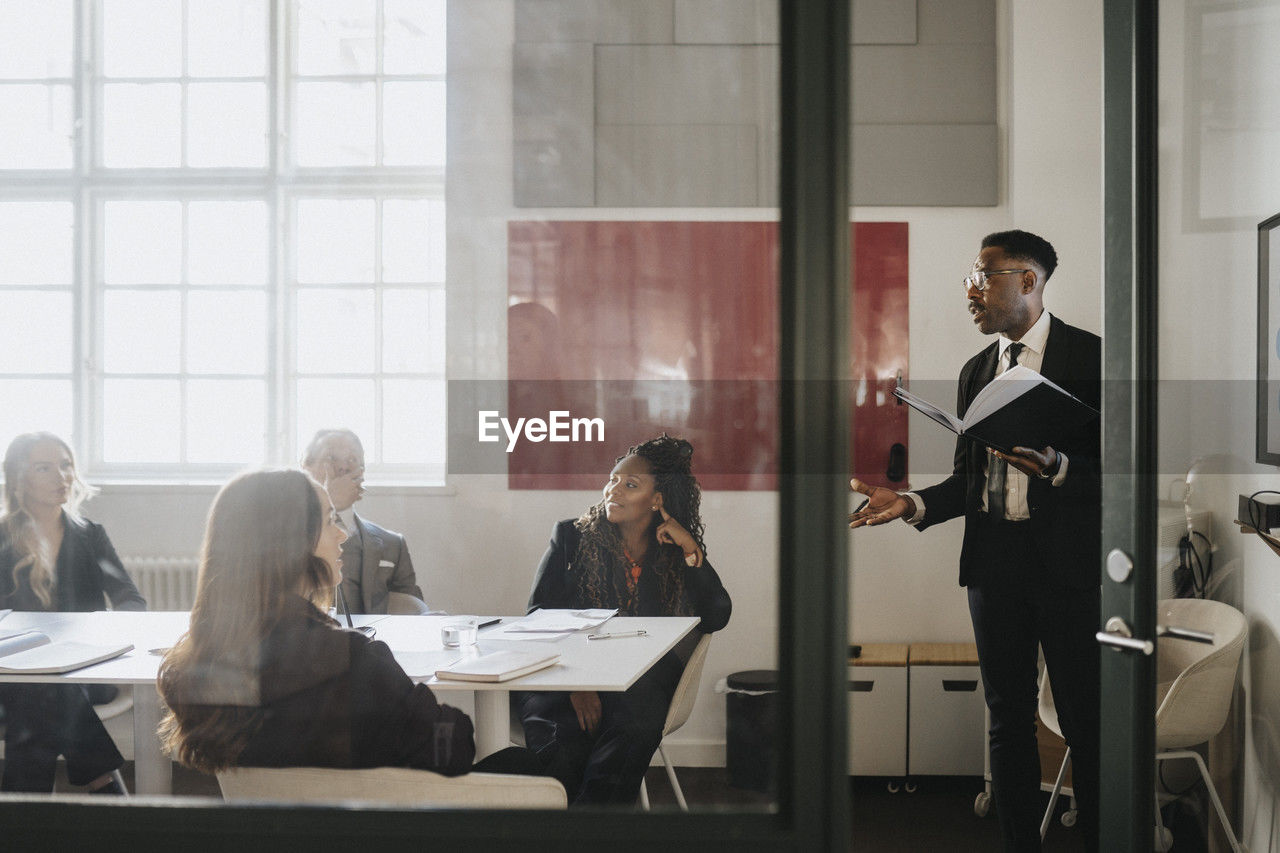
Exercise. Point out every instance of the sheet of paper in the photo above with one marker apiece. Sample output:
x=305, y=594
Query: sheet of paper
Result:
x=424, y=664
x=559, y=621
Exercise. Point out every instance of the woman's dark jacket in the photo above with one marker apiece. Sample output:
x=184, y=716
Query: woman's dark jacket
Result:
x=332, y=697
x=556, y=585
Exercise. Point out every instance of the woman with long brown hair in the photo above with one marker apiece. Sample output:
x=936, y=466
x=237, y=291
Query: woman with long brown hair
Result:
x=640, y=550
x=51, y=559
x=264, y=677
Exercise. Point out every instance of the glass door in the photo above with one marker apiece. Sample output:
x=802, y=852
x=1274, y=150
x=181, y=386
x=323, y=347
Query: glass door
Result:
x=1129, y=434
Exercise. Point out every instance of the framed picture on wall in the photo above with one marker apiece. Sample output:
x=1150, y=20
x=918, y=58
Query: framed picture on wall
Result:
x=1269, y=341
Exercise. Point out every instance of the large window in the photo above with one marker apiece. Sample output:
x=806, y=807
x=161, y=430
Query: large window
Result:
x=221, y=228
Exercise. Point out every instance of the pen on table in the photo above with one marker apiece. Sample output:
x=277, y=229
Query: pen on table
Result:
x=640, y=633
x=488, y=622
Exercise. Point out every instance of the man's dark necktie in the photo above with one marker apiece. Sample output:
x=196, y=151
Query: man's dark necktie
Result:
x=997, y=468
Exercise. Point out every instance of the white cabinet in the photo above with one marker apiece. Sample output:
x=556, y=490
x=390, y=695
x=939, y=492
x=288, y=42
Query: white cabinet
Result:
x=878, y=711
x=946, y=725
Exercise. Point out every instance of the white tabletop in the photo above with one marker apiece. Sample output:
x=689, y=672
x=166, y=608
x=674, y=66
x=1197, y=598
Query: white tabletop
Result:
x=604, y=665
x=607, y=665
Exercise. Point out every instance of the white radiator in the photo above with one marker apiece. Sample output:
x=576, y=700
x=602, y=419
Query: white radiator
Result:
x=167, y=583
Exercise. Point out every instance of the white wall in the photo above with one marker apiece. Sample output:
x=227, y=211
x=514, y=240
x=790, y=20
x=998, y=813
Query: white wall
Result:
x=905, y=584
x=476, y=543
x=1217, y=181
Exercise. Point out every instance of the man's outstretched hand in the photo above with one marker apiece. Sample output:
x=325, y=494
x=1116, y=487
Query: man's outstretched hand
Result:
x=882, y=505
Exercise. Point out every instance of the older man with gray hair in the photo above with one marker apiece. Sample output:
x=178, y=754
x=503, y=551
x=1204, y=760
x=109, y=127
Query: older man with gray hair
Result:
x=375, y=561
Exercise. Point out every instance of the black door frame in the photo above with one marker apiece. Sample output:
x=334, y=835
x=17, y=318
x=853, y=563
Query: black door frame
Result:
x=1130, y=370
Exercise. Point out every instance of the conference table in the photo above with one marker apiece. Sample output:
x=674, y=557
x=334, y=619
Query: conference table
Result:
x=601, y=665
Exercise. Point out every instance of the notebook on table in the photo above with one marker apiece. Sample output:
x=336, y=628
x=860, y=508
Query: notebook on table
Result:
x=33, y=653
x=498, y=666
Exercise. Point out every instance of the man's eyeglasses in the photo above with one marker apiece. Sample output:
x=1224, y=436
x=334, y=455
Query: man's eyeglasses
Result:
x=979, y=280
x=341, y=467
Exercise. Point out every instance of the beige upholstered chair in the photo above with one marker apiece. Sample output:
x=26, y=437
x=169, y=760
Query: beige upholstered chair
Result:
x=390, y=786
x=1048, y=713
x=117, y=717
x=677, y=715
x=404, y=604
x=681, y=707
x=1194, y=685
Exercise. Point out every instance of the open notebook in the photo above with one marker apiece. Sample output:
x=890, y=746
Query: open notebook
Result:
x=1020, y=407
x=33, y=653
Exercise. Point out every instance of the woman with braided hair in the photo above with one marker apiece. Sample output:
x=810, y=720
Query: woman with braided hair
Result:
x=640, y=550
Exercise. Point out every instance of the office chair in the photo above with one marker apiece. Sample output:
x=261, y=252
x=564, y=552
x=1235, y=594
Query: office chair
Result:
x=681, y=707
x=1195, y=683
x=404, y=604
x=117, y=718
x=391, y=786
x=1048, y=713
x=677, y=715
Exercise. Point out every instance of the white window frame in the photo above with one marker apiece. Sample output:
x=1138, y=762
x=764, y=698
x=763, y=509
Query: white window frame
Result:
x=89, y=185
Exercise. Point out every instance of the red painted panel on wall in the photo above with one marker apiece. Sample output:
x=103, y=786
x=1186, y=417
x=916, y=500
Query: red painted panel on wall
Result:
x=672, y=326
x=878, y=351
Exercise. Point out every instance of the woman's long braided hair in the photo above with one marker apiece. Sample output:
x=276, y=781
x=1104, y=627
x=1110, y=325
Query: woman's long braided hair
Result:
x=600, y=563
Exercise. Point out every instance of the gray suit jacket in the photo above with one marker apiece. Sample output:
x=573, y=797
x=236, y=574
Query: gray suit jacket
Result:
x=373, y=565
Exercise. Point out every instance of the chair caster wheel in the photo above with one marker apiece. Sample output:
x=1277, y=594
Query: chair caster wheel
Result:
x=982, y=804
x=1069, y=818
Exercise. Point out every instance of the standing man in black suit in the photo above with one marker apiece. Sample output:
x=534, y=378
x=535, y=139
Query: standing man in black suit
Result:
x=1032, y=538
x=375, y=561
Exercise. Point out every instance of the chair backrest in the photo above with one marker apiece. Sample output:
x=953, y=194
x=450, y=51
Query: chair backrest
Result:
x=390, y=786
x=1048, y=711
x=404, y=604
x=687, y=690
x=1196, y=680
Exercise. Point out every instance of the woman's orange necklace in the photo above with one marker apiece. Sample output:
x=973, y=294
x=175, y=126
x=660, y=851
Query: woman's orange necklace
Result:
x=633, y=572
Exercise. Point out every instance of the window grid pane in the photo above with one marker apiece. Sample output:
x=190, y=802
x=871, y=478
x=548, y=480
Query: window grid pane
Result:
x=200, y=347
x=182, y=311
x=370, y=274
x=366, y=94
x=195, y=101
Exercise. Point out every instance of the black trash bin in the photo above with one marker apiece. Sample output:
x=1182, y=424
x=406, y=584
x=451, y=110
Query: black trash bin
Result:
x=751, y=709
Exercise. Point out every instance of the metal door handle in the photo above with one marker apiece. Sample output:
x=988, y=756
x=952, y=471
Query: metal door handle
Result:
x=1119, y=636
x=1176, y=633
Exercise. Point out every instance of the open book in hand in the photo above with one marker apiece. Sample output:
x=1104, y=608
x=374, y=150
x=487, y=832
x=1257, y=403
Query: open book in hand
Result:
x=33, y=653
x=1019, y=408
x=498, y=666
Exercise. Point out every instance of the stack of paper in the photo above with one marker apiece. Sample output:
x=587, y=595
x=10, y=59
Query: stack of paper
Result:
x=553, y=624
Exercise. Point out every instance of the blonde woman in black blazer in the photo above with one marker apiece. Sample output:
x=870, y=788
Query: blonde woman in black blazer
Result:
x=51, y=559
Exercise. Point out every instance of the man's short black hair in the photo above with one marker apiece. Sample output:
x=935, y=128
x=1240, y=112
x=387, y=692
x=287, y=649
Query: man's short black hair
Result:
x=1025, y=246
